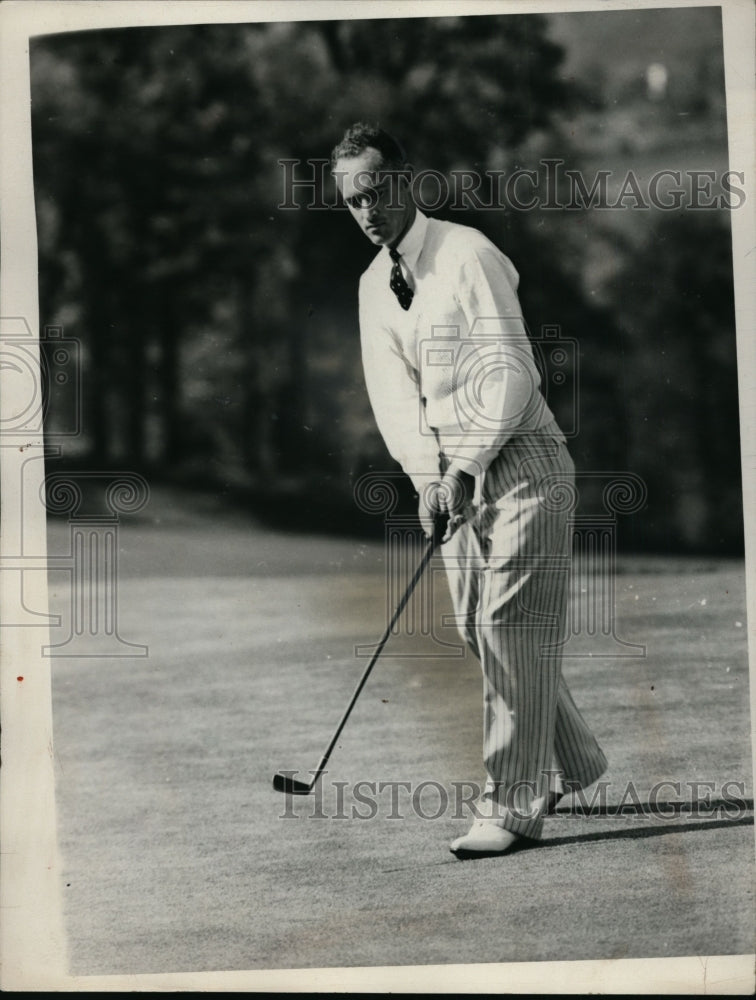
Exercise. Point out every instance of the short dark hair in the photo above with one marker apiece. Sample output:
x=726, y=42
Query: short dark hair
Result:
x=360, y=136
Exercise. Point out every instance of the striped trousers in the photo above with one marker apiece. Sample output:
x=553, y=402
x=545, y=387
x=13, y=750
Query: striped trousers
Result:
x=509, y=573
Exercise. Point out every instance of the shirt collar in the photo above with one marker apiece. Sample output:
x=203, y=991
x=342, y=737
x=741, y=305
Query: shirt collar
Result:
x=412, y=241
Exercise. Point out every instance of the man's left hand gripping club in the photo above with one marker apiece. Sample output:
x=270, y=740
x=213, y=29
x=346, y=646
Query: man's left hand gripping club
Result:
x=445, y=505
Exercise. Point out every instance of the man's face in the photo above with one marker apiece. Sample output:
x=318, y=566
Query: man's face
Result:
x=378, y=198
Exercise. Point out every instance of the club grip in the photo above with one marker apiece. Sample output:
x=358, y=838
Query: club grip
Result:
x=440, y=521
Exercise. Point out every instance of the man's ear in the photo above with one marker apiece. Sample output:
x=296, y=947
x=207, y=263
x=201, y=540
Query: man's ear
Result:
x=406, y=174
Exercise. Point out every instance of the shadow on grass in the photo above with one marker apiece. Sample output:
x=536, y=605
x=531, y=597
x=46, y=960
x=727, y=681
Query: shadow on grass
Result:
x=666, y=810
x=639, y=833
x=634, y=833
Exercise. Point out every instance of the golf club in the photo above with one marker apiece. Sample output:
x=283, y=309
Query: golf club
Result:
x=289, y=785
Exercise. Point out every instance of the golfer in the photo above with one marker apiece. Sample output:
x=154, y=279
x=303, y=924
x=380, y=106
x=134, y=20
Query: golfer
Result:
x=455, y=393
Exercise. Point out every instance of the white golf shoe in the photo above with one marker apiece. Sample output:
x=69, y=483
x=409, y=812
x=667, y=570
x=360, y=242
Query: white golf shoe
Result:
x=485, y=838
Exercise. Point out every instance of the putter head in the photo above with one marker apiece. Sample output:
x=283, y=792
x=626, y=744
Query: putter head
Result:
x=290, y=786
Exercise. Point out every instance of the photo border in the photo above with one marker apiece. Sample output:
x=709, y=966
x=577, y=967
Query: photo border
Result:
x=33, y=934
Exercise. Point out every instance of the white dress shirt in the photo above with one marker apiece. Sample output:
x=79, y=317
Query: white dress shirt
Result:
x=455, y=373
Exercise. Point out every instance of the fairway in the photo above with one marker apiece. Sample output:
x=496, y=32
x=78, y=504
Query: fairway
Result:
x=179, y=855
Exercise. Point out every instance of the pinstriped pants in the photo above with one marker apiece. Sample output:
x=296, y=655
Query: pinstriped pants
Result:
x=508, y=571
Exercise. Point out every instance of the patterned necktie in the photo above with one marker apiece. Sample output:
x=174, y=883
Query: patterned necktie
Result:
x=397, y=284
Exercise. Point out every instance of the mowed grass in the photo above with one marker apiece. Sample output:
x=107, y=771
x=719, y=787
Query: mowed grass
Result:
x=179, y=856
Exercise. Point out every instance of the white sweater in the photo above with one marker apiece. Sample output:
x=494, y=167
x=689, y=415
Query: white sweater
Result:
x=455, y=373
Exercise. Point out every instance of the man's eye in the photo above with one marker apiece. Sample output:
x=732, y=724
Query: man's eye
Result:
x=362, y=200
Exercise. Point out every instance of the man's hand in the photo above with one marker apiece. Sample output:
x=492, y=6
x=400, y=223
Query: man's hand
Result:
x=447, y=500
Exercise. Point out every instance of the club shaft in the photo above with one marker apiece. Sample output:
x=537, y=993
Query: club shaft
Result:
x=384, y=639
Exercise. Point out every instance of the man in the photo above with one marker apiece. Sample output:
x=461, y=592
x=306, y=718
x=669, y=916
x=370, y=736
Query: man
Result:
x=455, y=392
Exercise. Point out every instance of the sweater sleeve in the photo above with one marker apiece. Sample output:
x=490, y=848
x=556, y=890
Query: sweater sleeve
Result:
x=497, y=382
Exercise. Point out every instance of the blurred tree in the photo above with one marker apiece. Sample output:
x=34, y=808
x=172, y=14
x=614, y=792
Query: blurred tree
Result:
x=680, y=382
